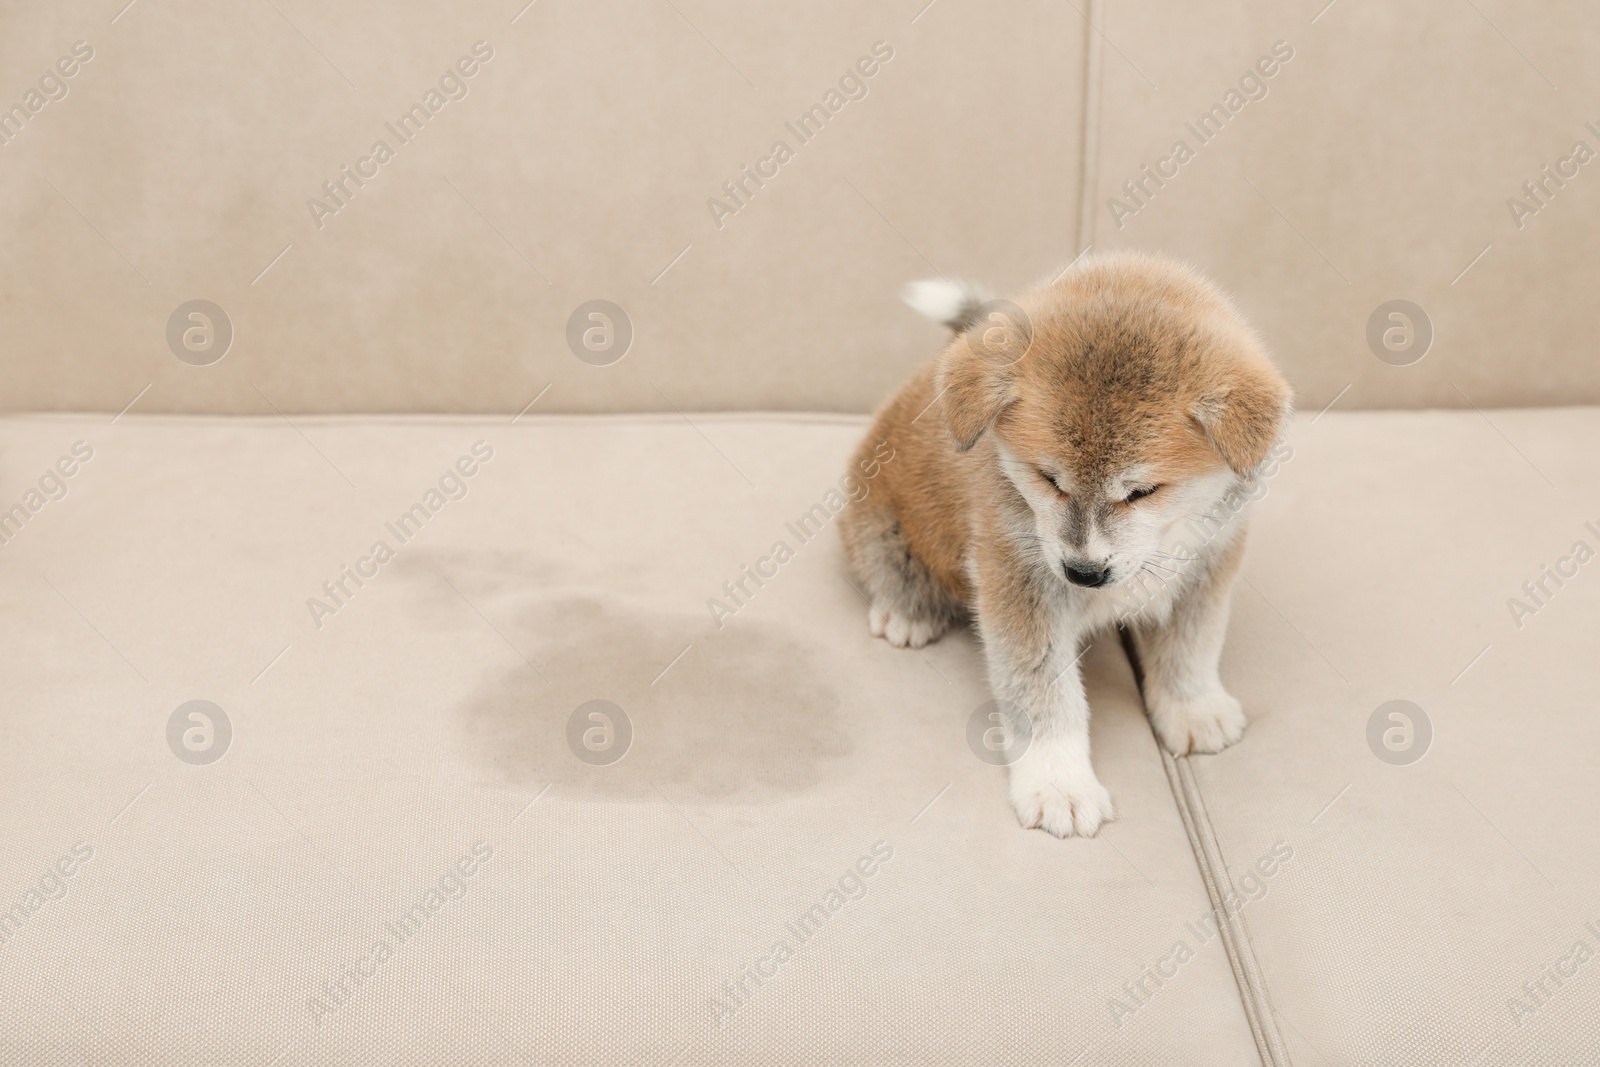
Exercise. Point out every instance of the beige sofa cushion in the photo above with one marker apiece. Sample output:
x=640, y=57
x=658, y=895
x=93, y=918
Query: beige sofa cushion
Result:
x=578, y=166
x=427, y=716
x=1382, y=163
x=1422, y=897
x=1376, y=164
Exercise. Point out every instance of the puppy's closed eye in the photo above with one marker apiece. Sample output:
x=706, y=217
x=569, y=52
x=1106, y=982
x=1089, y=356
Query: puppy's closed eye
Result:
x=1140, y=494
x=1054, y=483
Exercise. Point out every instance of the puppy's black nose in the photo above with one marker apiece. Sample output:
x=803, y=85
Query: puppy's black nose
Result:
x=1090, y=579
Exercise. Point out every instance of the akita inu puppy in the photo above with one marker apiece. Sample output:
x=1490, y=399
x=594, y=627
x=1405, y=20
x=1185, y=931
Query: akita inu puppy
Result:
x=1046, y=463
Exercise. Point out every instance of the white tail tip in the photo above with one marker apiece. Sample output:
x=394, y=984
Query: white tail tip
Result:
x=953, y=303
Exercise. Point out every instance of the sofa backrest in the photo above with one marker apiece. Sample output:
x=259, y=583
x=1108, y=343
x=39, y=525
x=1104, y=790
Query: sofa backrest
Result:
x=1387, y=157
x=412, y=208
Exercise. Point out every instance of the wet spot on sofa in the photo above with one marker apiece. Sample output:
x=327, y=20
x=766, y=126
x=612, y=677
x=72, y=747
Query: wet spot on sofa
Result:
x=746, y=712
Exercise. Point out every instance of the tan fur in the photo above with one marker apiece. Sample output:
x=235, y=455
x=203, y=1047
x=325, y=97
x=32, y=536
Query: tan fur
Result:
x=1139, y=373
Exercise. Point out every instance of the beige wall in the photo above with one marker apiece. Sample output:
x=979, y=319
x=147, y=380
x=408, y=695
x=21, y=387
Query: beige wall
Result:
x=579, y=165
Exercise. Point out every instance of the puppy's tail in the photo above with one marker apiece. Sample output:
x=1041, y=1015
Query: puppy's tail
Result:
x=956, y=304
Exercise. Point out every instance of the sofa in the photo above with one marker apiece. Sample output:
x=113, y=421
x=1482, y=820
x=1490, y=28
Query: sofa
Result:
x=426, y=635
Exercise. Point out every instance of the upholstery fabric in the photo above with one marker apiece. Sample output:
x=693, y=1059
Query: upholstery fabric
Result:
x=426, y=717
x=1440, y=911
x=581, y=160
x=1388, y=159
x=577, y=163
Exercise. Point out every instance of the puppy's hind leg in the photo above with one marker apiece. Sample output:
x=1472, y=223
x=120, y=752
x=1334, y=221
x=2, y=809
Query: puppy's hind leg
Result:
x=910, y=606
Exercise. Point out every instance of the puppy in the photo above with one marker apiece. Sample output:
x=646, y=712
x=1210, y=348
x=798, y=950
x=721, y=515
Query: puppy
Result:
x=1053, y=467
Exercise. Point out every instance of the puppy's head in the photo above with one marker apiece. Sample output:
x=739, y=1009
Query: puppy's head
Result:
x=1118, y=401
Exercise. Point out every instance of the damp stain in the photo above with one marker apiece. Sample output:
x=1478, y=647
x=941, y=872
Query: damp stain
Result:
x=746, y=712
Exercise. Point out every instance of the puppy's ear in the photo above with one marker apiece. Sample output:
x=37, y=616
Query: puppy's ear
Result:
x=1243, y=414
x=973, y=391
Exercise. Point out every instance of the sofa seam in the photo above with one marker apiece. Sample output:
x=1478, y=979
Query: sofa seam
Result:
x=808, y=418
x=1188, y=798
x=1253, y=993
x=1089, y=125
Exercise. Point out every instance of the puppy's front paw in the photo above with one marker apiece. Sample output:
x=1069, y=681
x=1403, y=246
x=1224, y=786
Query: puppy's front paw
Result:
x=901, y=630
x=1059, y=793
x=1208, y=723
